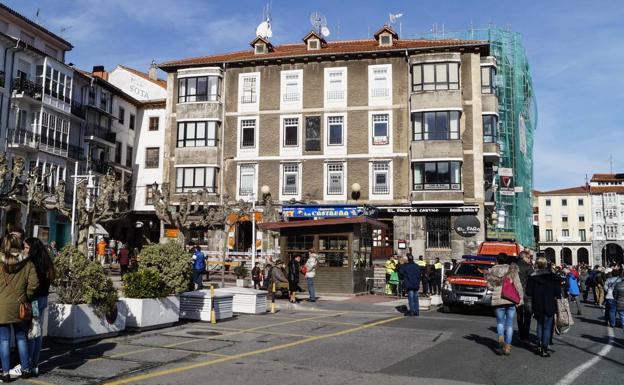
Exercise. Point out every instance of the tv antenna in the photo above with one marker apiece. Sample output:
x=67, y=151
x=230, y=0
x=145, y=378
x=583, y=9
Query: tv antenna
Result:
x=264, y=29
x=392, y=20
x=319, y=23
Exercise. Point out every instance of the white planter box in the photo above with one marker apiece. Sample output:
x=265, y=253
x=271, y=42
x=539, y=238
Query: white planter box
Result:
x=195, y=305
x=151, y=313
x=247, y=301
x=243, y=282
x=424, y=303
x=436, y=300
x=78, y=323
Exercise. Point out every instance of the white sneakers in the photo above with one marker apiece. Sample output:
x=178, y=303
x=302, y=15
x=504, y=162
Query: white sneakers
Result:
x=17, y=372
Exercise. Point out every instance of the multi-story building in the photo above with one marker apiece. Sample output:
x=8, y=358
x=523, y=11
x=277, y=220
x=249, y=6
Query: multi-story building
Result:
x=565, y=225
x=607, y=196
x=406, y=126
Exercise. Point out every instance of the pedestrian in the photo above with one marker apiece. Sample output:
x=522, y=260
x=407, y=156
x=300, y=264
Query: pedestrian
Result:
x=310, y=274
x=409, y=273
x=390, y=266
x=19, y=285
x=293, y=278
x=525, y=269
x=574, y=290
x=124, y=259
x=278, y=277
x=437, y=276
x=618, y=295
x=44, y=267
x=504, y=306
x=199, y=266
x=583, y=282
x=610, y=302
x=266, y=274
x=544, y=288
x=101, y=251
x=256, y=275
x=599, y=280
x=53, y=251
x=423, y=275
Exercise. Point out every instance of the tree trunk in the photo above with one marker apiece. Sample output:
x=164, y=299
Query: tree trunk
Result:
x=83, y=237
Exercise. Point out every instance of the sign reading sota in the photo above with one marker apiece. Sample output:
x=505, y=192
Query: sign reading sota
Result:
x=467, y=225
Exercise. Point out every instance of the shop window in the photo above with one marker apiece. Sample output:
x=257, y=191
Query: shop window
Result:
x=438, y=232
x=334, y=250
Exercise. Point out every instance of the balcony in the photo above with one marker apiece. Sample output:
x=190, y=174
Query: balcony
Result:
x=95, y=131
x=101, y=167
x=53, y=145
x=77, y=109
x=24, y=87
x=75, y=152
x=24, y=139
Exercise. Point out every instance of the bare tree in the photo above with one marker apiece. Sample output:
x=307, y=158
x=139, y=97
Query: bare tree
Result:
x=11, y=178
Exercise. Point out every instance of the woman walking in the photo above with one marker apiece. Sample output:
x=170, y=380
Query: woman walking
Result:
x=293, y=278
x=40, y=257
x=507, y=293
x=544, y=288
x=18, y=283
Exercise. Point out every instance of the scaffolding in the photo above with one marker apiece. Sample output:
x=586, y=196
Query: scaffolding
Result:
x=516, y=127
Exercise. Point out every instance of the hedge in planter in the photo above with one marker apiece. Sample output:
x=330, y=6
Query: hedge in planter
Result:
x=145, y=283
x=171, y=262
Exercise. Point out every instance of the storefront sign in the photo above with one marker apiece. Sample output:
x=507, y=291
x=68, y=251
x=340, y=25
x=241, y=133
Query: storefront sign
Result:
x=506, y=185
x=467, y=226
x=505, y=171
x=171, y=233
x=402, y=244
x=324, y=211
x=430, y=210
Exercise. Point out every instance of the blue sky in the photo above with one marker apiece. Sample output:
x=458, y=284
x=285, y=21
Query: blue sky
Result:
x=574, y=48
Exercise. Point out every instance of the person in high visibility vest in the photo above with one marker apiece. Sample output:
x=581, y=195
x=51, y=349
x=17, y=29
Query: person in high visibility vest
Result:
x=437, y=277
x=424, y=278
x=390, y=266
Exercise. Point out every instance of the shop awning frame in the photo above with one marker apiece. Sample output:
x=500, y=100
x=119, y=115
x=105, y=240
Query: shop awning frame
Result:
x=322, y=222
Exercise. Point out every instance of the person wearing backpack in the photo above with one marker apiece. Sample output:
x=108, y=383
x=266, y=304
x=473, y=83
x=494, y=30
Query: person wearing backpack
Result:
x=573, y=290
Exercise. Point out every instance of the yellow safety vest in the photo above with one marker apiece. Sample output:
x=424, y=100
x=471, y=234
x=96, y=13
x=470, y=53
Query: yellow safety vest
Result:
x=421, y=263
x=390, y=266
x=438, y=266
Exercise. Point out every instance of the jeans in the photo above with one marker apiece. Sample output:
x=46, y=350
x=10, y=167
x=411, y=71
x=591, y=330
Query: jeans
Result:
x=21, y=331
x=621, y=315
x=412, y=301
x=504, y=322
x=544, y=331
x=311, y=288
x=34, y=345
x=524, y=323
x=610, y=312
x=198, y=275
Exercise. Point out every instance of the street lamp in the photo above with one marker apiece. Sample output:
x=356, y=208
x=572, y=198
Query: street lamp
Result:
x=91, y=188
x=355, y=191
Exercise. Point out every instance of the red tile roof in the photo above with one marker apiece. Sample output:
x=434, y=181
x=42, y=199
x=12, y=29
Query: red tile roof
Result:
x=607, y=189
x=332, y=48
x=566, y=191
x=607, y=177
x=159, y=82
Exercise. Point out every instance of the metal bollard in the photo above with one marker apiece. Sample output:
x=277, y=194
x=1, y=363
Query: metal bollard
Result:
x=213, y=313
x=273, y=300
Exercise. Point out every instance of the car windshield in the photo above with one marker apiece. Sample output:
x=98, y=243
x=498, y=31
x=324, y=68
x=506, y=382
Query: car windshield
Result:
x=470, y=269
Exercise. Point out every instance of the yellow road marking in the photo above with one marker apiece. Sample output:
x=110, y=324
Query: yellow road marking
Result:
x=38, y=382
x=166, y=372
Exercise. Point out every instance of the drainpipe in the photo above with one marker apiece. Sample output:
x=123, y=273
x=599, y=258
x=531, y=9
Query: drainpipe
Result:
x=222, y=173
x=409, y=148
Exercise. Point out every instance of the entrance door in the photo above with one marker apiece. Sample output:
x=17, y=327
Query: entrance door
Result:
x=243, y=236
x=612, y=253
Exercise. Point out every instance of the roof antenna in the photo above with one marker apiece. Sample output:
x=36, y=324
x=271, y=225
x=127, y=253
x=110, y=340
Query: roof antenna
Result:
x=393, y=19
x=319, y=23
x=264, y=29
x=37, y=15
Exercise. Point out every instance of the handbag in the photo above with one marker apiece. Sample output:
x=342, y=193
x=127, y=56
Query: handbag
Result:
x=25, y=308
x=509, y=291
x=304, y=270
x=564, y=315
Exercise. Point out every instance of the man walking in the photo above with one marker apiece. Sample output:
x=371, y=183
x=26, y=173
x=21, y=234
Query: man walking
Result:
x=310, y=273
x=199, y=266
x=409, y=273
x=525, y=270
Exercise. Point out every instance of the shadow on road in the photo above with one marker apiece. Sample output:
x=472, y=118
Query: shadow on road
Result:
x=72, y=357
x=489, y=343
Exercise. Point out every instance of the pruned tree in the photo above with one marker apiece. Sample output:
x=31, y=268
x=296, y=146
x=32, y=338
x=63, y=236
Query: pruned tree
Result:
x=11, y=178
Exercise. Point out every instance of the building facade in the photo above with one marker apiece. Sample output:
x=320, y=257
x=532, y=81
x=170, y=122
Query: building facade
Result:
x=607, y=196
x=565, y=225
x=406, y=126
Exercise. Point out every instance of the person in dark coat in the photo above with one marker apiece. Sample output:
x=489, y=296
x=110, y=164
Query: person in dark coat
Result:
x=544, y=288
x=124, y=259
x=410, y=273
x=293, y=278
x=523, y=312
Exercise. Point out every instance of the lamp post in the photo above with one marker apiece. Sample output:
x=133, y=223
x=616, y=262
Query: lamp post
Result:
x=91, y=187
x=355, y=191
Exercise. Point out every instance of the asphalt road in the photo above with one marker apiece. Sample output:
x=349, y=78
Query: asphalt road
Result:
x=324, y=344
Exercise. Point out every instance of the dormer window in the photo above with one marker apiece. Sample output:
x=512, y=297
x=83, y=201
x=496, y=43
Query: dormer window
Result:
x=260, y=48
x=386, y=36
x=314, y=44
x=385, y=39
x=314, y=41
x=261, y=45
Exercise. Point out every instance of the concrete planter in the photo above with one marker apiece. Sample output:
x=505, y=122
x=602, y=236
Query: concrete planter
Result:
x=424, y=303
x=246, y=301
x=436, y=300
x=151, y=313
x=195, y=305
x=243, y=282
x=77, y=323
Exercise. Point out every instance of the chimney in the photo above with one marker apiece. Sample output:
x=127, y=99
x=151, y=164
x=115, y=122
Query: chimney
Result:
x=153, y=71
x=98, y=71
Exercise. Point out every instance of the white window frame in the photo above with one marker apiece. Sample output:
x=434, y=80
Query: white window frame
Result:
x=291, y=104
x=380, y=148
x=247, y=152
x=334, y=197
x=371, y=180
x=375, y=96
x=253, y=106
x=297, y=195
x=336, y=149
x=238, y=180
x=291, y=150
x=329, y=99
x=183, y=189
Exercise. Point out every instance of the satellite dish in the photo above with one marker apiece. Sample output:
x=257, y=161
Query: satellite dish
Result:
x=318, y=21
x=264, y=30
x=324, y=31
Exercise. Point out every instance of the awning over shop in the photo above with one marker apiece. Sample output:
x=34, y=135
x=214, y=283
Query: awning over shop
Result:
x=321, y=222
x=98, y=230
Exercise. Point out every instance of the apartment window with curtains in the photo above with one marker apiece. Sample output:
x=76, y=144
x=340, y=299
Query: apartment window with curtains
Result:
x=488, y=80
x=190, y=179
x=197, y=134
x=381, y=179
x=250, y=92
x=335, y=175
x=199, y=89
x=436, y=125
x=443, y=175
x=247, y=179
x=435, y=76
x=290, y=178
x=490, y=126
x=291, y=132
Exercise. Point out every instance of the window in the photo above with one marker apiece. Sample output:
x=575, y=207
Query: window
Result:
x=335, y=126
x=291, y=132
x=290, y=184
x=154, y=122
x=435, y=76
x=313, y=44
x=565, y=232
x=581, y=218
x=438, y=232
x=549, y=235
x=118, y=147
x=260, y=48
x=247, y=179
x=129, y=160
x=189, y=179
x=564, y=202
x=197, y=134
x=436, y=176
x=149, y=195
x=436, y=125
x=488, y=80
x=380, y=129
x=611, y=231
x=248, y=133
x=380, y=82
x=104, y=100
x=313, y=133
x=131, y=123
x=610, y=213
x=582, y=235
x=548, y=202
x=385, y=40
x=335, y=179
x=581, y=202
x=249, y=93
x=122, y=115
x=564, y=219
x=381, y=184
x=152, y=157
x=291, y=82
x=199, y=89
x=336, y=84
x=490, y=127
